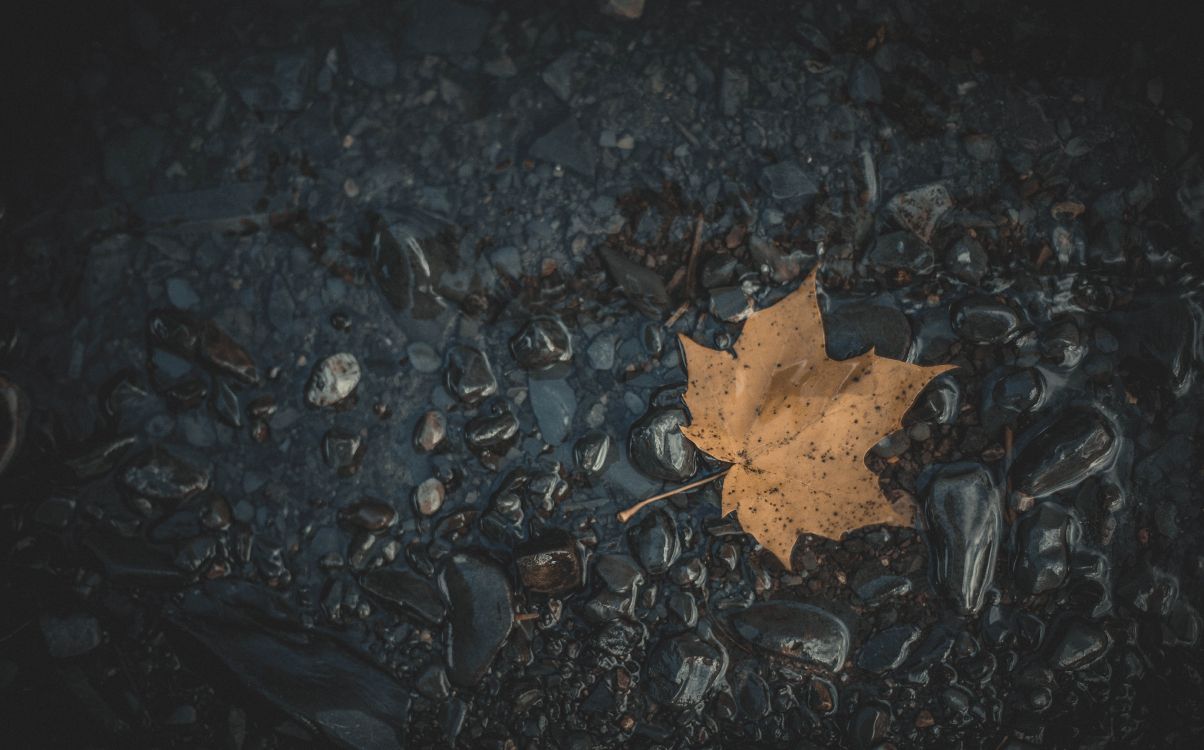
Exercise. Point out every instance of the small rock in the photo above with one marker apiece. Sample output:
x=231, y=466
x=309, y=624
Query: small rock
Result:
x=482, y=614
x=654, y=542
x=342, y=450
x=984, y=320
x=961, y=504
x=1044, y=538
x=405, y=592
x=787, y=180
x=1079, y=443
x=551, y=564
x=70, y=636
x=333, y=379
x=683, y=670
x=967, y=260
x=541, y=343
x=430, y=431
x=920, y=210
x=469, y=376
x=887, y=649
x=555, y=405
x=795, y=630
x=428, y=496
x=568, y=146
x=658, y=448
x=619, y=573
x=370, y=515
x=1078, y=644
x=592, y=452
x=160, y=475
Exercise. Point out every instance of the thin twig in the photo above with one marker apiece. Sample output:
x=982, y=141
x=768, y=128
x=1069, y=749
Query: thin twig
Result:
x=626, y=515
x=677, y=314
x=693, y=262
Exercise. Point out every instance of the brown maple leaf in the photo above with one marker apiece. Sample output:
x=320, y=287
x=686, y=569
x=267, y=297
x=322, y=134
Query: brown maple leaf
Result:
x=796, y=425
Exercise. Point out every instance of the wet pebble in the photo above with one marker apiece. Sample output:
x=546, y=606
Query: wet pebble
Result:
x=619, y=573
x=1078, y=643
x=592, y=452
x=541, y=343
x=342, y=450
x=333, y=379
x=1044, y=538
x=786, y=180
x=550, y=564
x=654, y=542
x=869, y=725
x=369, y=515
x=731, y=304
x=900, y=251
x=555, y=405
x=1078, y=443
x=601, y=352
x=888, y=649
x=984, y=320
x=482, y=614
x=160, y=475
x=682, y=670
x=226, y=355
x=433, y=684
x=493, y=431
x=795, y=630
x=469, y=376
x=405, y=592
x=961, y=505
x=658, y=448
x=967, y=260
x=430, y=431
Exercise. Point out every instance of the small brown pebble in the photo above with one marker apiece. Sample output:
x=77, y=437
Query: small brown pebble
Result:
x=626, y=723
x=430, y=431
x=924, y=719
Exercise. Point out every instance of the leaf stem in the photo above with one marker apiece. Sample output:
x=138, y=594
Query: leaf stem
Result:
x=625, y=516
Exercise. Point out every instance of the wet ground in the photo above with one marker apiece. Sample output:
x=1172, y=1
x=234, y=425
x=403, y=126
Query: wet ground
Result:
x=334, y=335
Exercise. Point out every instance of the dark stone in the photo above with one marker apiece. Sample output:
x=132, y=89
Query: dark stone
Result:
x=967, y=260
x=798, y=631
x=407, y=593
x=654, y=542
x=469, y=376
x=984, y=320
x=683, y=670
x=658, y=448
x=619, y=573
x=1078, y=644
x=642, y=285
x=551, y=564
x=370, y=58
x=541, y=343
x=1044, y=538
x=787, y=180
x=887, y=649
x=567, y=145
x=160, y=475
x=900, y=251
x=592, y=452
x=312, y=678
x=852, y=330
x=1080, y=442
x=961, y=505
x=482, y=614
x=368, y=515
x=225, y=355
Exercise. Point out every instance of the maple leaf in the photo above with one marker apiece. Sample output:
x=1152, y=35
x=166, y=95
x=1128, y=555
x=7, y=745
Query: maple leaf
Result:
x=796, y=425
